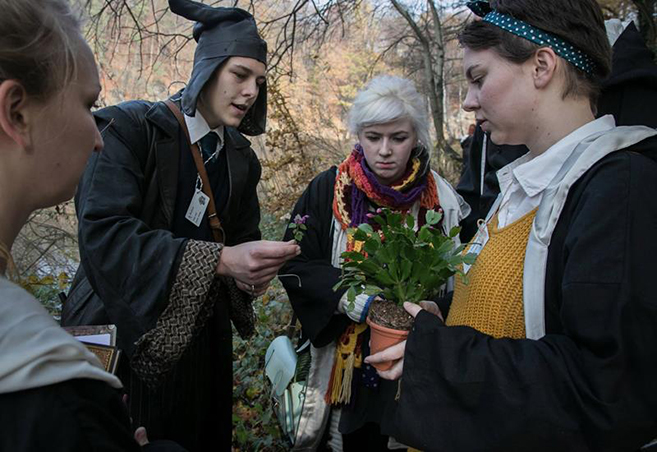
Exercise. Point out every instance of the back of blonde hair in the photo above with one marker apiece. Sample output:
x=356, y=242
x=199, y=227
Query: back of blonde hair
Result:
x=37, y=44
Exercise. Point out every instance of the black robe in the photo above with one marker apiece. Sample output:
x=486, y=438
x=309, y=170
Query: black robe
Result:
x=591, y=382
x=80, y=415
x=76, y=415
x=132, y=240
x=315, y=302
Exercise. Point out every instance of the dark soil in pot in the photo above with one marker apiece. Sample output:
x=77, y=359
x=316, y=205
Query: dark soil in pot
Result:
x=389, y=314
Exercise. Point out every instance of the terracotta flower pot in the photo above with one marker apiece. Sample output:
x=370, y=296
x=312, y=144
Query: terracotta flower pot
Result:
x=382, y=338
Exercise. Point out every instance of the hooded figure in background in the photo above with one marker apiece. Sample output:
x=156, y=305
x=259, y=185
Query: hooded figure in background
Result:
x=151, y=260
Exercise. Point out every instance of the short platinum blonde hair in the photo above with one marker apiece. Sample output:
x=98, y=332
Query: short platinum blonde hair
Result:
x=387, y=98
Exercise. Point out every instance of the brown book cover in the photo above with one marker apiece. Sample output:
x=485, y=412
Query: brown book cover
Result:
x=100, y=340
x=108, y=356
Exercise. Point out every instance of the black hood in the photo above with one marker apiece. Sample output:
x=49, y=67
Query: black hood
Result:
x=630, y=92
x=631, y=59
x=222, y=33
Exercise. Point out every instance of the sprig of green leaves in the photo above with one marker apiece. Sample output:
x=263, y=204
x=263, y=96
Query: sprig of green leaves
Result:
x=298, y=227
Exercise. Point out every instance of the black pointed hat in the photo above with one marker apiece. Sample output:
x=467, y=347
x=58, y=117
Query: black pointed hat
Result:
x=222, y=33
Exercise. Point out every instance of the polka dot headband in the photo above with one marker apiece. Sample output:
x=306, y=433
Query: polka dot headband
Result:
x=519, y=28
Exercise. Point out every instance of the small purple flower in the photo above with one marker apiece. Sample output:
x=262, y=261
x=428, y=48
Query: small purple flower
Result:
x=298, y=219
x=298, y=226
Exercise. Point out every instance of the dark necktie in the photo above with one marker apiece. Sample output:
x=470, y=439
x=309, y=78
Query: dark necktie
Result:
x=209, y=145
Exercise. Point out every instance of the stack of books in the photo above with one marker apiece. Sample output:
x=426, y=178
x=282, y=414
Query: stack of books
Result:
x=101, y=340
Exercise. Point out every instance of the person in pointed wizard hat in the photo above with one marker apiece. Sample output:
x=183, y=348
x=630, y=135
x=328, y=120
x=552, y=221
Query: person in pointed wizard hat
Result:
x=168, y=233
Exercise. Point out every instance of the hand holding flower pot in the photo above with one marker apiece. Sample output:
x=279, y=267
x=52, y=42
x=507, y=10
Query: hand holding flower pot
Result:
x=395, y=354
x=400, y=264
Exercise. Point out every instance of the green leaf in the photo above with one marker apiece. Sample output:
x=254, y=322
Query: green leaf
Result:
x=383, y=277
x=366, y=228
x=385, y=255
x=393, y=270
x=352, y=255
x=425, y=234
x=455, y=261
x=399, y=295
x=371, y=246
x=424, y=275
x=360, y=235
x=395, y=249
x=432, y=217
x=446, y=248
x=409, y=253
x=380, y=220
x=394, y=220
x=372, y=289
x=406, y=266
x=369, y=268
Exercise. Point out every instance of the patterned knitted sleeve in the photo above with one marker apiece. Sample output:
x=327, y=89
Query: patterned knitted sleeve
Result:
x=190, y=305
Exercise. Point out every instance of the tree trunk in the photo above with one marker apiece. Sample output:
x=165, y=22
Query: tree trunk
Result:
x=438, y=67
x=434, y=64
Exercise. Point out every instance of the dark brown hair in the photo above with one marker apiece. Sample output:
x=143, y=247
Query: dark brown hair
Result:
x=578, y=22
x=37, y=44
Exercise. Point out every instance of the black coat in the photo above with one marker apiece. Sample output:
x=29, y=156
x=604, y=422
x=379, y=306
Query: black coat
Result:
x=76, y=415
x=630, y=92
x=590, y=384
x=130, y=204
x=125, y=204
x=470, y=187
x=79, y=415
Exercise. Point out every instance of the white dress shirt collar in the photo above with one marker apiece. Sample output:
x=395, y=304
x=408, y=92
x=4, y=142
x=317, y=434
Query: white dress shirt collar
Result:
x=198, y=128
x=523, y=181
x=535, y=175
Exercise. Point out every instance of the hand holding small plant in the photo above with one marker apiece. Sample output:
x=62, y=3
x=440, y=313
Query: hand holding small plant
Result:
x=298, y=227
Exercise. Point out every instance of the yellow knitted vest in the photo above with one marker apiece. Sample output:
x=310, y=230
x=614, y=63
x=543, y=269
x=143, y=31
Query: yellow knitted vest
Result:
x=491, y=301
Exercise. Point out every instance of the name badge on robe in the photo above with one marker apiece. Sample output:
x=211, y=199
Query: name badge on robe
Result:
x=478, y=242
x=197, y=207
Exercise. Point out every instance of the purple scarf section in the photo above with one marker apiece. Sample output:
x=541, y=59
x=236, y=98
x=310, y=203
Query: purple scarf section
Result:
x=398, y=200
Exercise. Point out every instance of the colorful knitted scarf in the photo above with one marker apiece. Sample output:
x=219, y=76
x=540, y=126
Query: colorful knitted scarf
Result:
x=356, y=187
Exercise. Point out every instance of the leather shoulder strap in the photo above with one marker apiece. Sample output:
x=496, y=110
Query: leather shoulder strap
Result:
x=215, y=224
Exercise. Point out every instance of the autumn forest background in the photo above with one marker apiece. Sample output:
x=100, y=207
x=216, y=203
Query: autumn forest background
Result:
x=321, y=53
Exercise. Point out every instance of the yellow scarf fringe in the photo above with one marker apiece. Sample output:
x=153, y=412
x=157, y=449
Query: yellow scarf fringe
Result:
x=346, y=359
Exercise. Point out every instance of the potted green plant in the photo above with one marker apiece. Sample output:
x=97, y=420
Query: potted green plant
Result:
x=399, y=263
